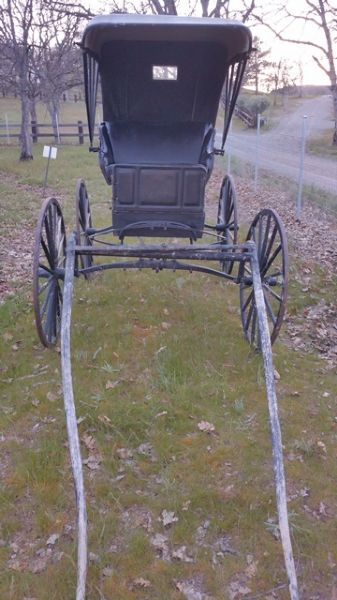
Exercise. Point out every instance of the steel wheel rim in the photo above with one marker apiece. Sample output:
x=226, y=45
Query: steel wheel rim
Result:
x=227, y=216
x=269, y=235
x=83, y=222
x=48, y=264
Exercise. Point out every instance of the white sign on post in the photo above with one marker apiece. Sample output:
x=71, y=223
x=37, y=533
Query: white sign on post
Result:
x=49, y=152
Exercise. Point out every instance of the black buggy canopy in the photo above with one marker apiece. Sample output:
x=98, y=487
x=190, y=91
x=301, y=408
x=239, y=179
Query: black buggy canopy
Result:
x=163, y=68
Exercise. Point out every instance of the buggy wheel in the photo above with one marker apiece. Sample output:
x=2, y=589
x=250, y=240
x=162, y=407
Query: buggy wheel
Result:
x=83, y=223
x=48, y=271
x=268, y=233
x=227, y=219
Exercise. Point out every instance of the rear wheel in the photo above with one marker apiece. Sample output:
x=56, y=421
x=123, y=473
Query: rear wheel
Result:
x=83, y=223
x=227, y=219
x=48, y=271
x=268, y=233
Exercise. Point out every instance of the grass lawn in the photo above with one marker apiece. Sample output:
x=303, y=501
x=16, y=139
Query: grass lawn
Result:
x=153, y=356
x=322, y=145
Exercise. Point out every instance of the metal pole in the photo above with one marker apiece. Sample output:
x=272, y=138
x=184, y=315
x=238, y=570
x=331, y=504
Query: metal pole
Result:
x=7, y=129
x=301, y=171
x=278, y=466
x=257, y=153
x=46, y=175
x=72, y=429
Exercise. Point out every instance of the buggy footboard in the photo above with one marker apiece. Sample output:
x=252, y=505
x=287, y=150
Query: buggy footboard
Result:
x=159, y=200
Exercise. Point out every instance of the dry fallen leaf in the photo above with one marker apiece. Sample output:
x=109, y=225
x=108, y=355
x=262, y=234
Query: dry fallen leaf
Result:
x=277, y=375
x=110, y=385
x=251, y=569
x=104, y=419
x=168, y=517
x=181, y=554
x=93, y=462
x=206, y=427
x=141, y=583
x=51, y=541
x=94, y=459
x=322, y=446
x=38, y=564
x=124, y=453
x=7, y=336
x=237, y=590
x=160, y=543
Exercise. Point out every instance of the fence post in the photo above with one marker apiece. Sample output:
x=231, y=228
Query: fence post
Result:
x=80, y=132
x=57, y=128
x=300, y=175
x=257, y=154
x=7, y=129
x=34, y=131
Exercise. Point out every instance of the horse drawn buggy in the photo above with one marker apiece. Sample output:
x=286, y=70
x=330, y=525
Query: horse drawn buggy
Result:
x=162, y=79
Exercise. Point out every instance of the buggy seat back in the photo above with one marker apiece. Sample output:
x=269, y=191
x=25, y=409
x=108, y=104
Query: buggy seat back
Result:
x=158, y=143
x=158, y=172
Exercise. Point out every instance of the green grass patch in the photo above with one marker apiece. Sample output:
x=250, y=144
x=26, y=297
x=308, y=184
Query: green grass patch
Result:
x=153, y=355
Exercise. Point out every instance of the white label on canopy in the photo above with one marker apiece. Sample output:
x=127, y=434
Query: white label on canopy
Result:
x=49, y=151
x=165, y=72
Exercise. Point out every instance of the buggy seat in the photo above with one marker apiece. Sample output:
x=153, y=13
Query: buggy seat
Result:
x=159, y=172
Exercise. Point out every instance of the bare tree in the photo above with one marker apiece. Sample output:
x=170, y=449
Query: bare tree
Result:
x=321, y=16
x=17, y=41
x=57, y=60
x=207, y=8
x=38, y=54
x=257, y=65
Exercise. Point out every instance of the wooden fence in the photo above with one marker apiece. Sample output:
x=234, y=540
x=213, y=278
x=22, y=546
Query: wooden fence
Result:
x=246, y=116
x=78, y=131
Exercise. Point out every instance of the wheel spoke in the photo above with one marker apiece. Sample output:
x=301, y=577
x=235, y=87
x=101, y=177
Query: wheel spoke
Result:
x=272, y=292
x=50, y=250
x=270, y=310
x=46, y=301
x=271, y=260
x=249, y=315
x=45, y=285
x=271, y=242
x=46, y=252
x=265, y=240
x=253, y=325
x=248, y=300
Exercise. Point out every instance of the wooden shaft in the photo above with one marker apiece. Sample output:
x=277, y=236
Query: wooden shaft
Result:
x=278, y=467
x=73, y=437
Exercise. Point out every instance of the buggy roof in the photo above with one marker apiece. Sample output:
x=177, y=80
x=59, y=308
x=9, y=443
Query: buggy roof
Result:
x=233, y=36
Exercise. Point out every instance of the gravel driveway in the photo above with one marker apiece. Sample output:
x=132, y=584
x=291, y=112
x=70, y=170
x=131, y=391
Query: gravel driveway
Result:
x=279, y=148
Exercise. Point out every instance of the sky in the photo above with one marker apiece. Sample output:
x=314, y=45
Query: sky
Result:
x=294, y=53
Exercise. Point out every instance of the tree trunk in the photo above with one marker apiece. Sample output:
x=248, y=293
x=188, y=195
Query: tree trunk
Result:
x=334, y=100
x=33, y=114
x=53, y=108
x=25, y=134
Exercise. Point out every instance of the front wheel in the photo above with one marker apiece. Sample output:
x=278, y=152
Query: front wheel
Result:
x=268, y=233
x=48, y=271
